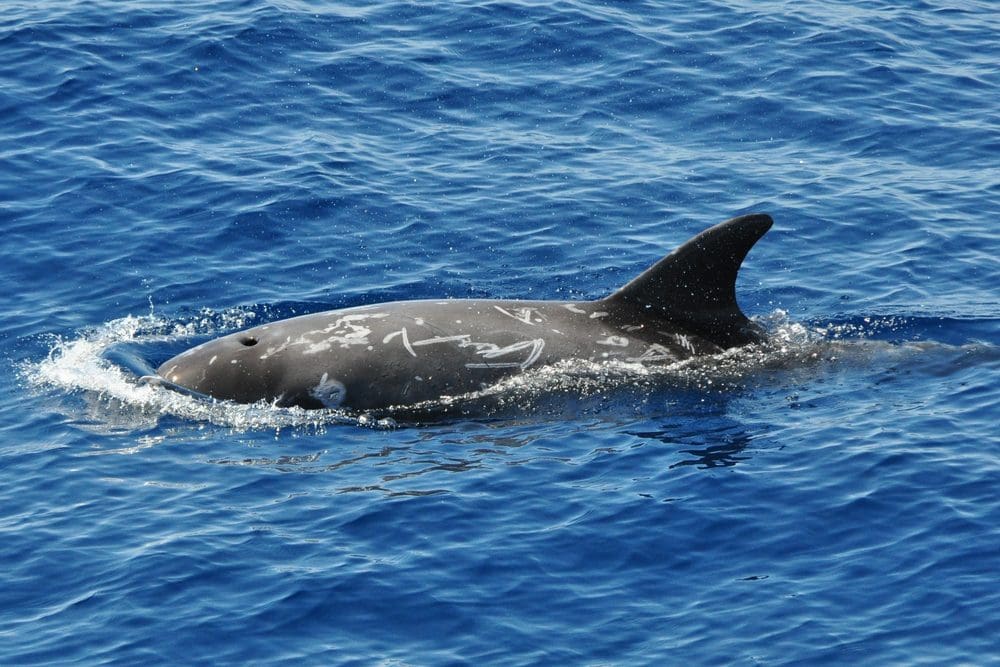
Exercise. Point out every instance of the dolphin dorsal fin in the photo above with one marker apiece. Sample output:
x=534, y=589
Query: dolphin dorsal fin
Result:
x=695, y=286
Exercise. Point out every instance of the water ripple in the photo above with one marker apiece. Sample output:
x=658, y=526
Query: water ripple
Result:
x=831, y=498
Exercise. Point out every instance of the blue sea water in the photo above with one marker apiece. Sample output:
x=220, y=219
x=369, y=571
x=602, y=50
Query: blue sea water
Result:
x=170, y=172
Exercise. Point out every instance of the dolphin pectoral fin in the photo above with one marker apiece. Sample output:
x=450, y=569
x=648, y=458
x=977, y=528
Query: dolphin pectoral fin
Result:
x=695, y=285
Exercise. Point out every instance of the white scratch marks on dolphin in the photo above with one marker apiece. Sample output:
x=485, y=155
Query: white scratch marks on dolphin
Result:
x=655, y=352
x=685, y=342
x=316, y=348
x=536, y=345
x=483, y=349
x=329, y=392
x=345, y=332
x=406, y=340
x=525, y=314
x=614, y=341
x=573, y=308
x=443, y=339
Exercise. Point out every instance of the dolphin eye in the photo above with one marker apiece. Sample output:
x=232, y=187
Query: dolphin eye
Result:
x=248, y=341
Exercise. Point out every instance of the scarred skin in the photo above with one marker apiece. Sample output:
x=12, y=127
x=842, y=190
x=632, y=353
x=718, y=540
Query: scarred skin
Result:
x=406, y=352
x=412, y=351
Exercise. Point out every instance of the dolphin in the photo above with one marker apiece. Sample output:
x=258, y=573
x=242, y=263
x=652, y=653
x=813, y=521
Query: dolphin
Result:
x=404, y=353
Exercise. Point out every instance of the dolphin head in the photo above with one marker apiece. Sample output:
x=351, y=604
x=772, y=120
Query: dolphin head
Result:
x=247, y=367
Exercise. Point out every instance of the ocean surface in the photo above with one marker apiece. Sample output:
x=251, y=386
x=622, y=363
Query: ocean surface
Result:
x=172, y=172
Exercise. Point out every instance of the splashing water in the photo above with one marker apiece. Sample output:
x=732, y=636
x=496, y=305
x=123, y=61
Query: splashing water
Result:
x=80, y=365
x=86, y=365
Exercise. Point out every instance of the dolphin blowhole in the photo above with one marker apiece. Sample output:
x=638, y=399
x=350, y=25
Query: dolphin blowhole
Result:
x=408, y=352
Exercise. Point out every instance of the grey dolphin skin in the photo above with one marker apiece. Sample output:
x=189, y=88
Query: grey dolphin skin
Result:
x=407, y=352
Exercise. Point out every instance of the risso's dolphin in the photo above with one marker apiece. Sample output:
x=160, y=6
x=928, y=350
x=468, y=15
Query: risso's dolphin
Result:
x=408, y=352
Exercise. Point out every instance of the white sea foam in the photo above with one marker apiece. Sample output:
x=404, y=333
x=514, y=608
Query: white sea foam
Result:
x=114, y=397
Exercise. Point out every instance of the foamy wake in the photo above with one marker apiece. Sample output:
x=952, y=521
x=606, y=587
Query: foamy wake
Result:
x=113, y=396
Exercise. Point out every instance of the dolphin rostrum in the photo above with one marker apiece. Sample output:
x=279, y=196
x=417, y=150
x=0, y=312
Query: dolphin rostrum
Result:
x=407, y=352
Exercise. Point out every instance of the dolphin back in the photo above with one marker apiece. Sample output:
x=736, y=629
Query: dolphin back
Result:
x=695, y=286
